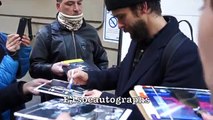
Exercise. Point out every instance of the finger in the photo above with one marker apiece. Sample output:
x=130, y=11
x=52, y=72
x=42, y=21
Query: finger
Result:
x=26, y=37
x=89, y=93
x=40, y=81
x=206, y=116
x=76, y=73
x=64, y=116
x=25, y=42
x=11, y=48
x=60, y=70
x=11, y=37
x=79, y=69
x=64, y=64
x=12, y=42
x=43, y=80
x=69, y=74
x=35, y=92
x=18, y=43
x=75, y=82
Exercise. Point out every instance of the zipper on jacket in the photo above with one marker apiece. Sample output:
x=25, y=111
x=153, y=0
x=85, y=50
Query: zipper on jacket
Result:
x=74, y=42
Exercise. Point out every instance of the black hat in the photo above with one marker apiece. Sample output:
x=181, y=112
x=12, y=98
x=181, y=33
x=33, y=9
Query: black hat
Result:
x=116, y=4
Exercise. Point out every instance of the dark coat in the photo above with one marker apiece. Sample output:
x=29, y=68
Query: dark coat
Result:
x=55, y=43
x=12, y=96
x=185, y=69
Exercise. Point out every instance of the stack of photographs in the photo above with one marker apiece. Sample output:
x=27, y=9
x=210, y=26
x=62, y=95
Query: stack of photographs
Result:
x=81, y=111
x=59, y=88
x=173, y=103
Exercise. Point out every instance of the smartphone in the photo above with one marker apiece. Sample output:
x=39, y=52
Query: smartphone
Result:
x=21, y=26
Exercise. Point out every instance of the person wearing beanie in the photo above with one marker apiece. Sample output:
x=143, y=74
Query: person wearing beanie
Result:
x=150, y=33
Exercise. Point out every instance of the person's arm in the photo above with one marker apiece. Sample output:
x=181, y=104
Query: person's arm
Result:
x=39, y=66
x=102, y=80
x=23, y=57
x=100, y=55
x=18, y=93
x=9, y=65
x=8, y=70
x=12, y=96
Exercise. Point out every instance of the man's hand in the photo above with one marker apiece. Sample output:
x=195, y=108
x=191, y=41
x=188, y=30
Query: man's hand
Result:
x=13, y=42
x=206, y=116
x=79, y=77
x=64, y=116
x=57, y=68
x=31, y=85
x=25, y=40
x=93, y=93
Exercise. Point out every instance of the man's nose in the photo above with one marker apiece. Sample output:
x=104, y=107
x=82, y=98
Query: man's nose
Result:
x=120, y=25
x=76, y=7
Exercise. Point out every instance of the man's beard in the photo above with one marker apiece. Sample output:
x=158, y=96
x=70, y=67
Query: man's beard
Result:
x=139, y=32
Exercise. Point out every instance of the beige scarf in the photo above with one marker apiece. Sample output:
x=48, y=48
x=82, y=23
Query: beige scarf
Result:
x=72, y=23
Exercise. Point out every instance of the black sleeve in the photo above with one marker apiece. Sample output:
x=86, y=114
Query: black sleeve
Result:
x=12, y=96
x=100, y=55
x=103, y=80
x=39, y=65
x=2, y=52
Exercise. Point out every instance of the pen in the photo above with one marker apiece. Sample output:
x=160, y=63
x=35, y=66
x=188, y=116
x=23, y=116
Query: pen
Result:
x=71, y=80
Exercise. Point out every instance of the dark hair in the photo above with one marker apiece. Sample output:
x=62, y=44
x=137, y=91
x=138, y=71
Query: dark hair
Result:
x=153, y=5
x=211, y=4
x=59, y=0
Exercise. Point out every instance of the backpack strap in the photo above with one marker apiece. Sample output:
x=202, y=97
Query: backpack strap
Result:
x=190, y=27
x=170, y=49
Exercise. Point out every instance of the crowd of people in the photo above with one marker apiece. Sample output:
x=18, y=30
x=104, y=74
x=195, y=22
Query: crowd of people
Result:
x=71, y=37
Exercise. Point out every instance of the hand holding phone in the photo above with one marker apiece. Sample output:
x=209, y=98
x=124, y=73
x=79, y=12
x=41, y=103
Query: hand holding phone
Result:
x=25, y=40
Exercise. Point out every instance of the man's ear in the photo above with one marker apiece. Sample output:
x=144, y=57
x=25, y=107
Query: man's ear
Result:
x=58, y=6
x=144, y=8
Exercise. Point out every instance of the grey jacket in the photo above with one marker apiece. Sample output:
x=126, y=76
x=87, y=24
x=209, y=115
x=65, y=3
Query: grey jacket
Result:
x=55, y=43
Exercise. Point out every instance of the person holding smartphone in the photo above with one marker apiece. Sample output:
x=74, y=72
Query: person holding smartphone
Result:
x=14, y=60
x=15, y=57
